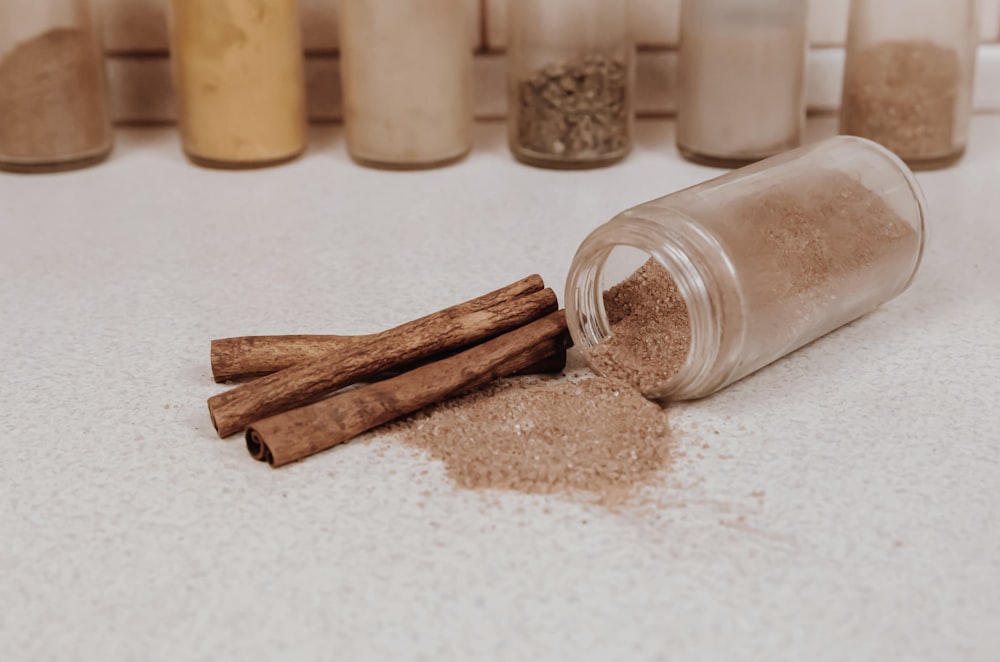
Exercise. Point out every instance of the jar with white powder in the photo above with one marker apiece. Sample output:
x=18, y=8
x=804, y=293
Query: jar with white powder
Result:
x=688, y=293
x=569, y=82
x=908, y=77
x=741, y=79
x=406, y=70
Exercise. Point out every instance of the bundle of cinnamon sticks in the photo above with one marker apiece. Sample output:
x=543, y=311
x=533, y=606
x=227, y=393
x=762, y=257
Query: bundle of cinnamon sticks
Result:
x=297, y=404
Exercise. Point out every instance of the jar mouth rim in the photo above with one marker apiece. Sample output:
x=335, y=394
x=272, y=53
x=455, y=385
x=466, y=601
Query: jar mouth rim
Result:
x=676, y=245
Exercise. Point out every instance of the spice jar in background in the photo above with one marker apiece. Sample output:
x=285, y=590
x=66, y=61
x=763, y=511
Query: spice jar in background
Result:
x=570, y=67
x=54, y=110
x=239, y=74
x=741, y=79
x=908, y=77
x=691, y=292
x=406, y=70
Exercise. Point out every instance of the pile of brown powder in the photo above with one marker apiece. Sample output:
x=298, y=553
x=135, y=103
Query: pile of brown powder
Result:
x=52, y=99
x=651, y=331
x=903, y=95
x=597, y=438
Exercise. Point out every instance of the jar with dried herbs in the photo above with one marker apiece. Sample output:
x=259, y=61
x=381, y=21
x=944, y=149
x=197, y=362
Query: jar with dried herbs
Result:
x=688, y=293
x=239, y=74
x=54, y=111
x=569, y=82
x=406, y=69
x=741, y=79
x=908, y=77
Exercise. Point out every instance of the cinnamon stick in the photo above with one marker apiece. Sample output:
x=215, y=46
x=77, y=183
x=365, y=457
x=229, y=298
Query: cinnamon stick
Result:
x=299, y=433
x=440, y=332
x=246, y=357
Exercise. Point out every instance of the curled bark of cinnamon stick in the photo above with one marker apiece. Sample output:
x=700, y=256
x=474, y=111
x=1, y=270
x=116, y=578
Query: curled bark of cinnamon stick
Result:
x=302, y=383
x=246, y=357
x=299, y=433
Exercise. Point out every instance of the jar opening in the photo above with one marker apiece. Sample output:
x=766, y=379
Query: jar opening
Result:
x=643, y=306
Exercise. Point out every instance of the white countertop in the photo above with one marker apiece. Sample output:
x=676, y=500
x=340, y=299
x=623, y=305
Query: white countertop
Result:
x=843, y=503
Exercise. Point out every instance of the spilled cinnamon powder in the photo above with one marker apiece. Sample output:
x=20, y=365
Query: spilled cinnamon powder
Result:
x=594, y=438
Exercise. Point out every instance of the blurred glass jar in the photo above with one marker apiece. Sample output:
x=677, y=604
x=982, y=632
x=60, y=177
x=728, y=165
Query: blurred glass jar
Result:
x=406, y=71
x=239, y=74
x=688, y=293
x=54, y=111
x=908, y=77
x=570, y=72
x=741, y=79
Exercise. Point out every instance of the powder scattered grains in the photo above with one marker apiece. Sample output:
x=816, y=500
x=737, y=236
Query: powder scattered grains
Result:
x=596, y=437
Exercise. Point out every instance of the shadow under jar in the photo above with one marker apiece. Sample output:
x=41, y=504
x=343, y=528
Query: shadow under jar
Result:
x=908, y=77
x=570, y=72
x=693, y=291
x=741, y=79
x=406, y=70
x=239, y=73
x=54, y=112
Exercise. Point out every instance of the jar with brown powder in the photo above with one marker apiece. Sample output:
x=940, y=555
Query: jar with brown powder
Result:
x=908, y=77
x=54, y=111
x=693, y=291
x=239, y=74
x=570, y=72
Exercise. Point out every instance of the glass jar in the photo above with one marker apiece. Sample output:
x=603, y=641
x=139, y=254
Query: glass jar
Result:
x=908, y=77
x=406, y=72
x=239, y=74
x=741, y=79
x=570, y=71
x=688, y=293
x=54, y=110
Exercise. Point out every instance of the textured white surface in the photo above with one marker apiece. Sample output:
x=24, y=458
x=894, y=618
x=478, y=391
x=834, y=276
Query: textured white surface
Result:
x=841, y=504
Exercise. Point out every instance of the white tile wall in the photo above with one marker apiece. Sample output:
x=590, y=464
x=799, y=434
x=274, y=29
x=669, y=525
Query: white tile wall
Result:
x=135, y=34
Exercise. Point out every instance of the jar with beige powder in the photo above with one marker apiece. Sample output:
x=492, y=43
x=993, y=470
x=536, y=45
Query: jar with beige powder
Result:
x=741, y=79
x=570, y=72
x=908, y=77
x=688, y=293
x=239, y=75
x=406, y=73
x=54, y=111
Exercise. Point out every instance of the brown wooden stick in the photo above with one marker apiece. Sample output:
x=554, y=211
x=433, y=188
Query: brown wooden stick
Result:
x=249, y=357
x=302, y=383
x=246, y=357
x=299, y=433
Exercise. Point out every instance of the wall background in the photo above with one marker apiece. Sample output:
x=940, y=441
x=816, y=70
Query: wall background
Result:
x=135, y=35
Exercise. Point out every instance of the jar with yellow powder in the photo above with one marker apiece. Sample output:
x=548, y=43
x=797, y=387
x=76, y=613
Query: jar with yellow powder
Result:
x=239, y=74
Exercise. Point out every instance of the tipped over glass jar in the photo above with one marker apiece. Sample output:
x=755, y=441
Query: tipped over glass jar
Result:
x=688, y=293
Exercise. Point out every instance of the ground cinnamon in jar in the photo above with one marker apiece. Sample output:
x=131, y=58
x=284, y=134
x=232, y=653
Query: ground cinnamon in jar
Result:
x=53, y=105
x=904, y=95
x=746, y=268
